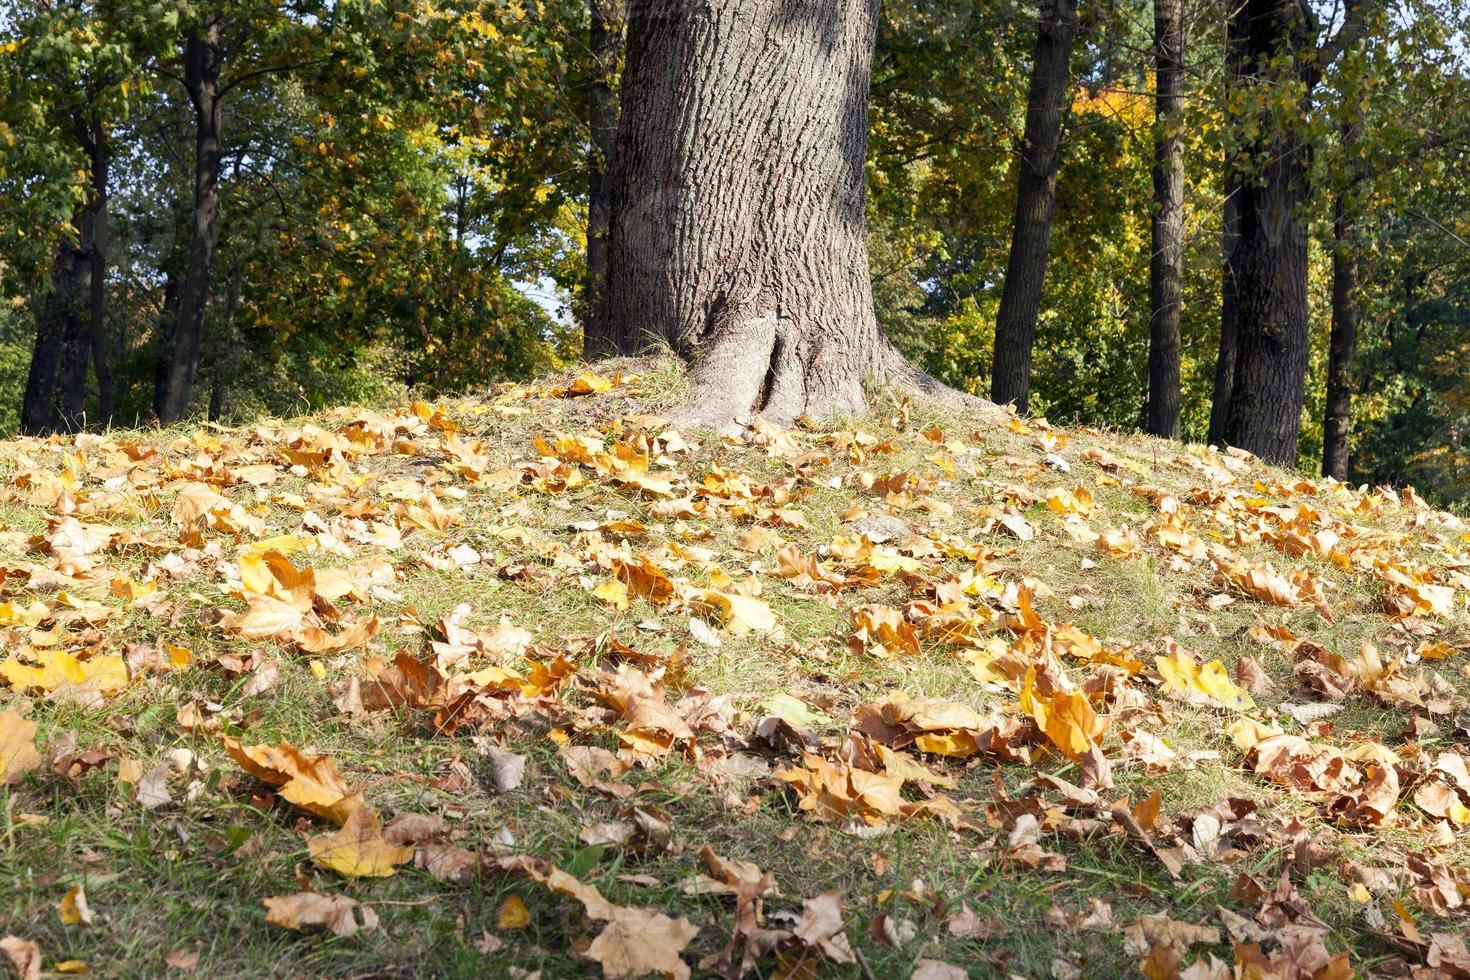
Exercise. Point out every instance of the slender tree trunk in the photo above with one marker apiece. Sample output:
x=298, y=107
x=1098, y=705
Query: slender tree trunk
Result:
x=738, y=235
x=1343, y=343
x=202, y=58
x=607, y=49
x=1225, y=358
x=1271, y=257
x=1020, y=301
x=1235, y=52
x=1166, y=261
x=101, y=364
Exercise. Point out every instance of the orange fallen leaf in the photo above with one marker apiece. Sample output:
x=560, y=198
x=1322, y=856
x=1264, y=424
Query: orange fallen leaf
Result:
x=312, y=782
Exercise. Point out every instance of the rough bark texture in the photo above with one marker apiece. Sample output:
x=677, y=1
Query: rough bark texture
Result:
x=1271, y=256
x=602, y=99
x=202, y=79
x=1165, y=264
x=1020, y=301
x=1225, y=357
x=738, y=235
x=1343, y=343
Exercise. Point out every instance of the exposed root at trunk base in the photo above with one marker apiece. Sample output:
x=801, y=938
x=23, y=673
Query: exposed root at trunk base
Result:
x=764, y=373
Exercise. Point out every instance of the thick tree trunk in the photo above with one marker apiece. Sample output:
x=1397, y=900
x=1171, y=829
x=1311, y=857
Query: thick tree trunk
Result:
x=1036, y=192
x=1336, y=422
x=1271, y=257
x=57, y=322
x=1166, y=262
x=202, y=58
x=738, y=235
x=168, y=318
x=607, y=49
x=1225, y=358
x=101, y=364
x=76, y=346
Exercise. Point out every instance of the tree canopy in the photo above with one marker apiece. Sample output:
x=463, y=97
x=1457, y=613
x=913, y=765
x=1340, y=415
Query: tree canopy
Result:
x=402, y=199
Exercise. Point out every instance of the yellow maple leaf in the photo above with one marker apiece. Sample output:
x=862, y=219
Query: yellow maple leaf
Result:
x=739, y=614
x=1066, y=718
x=358, y=849
x=1210, y=682
x=54, y=668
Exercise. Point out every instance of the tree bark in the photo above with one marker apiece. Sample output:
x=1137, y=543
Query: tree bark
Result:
x=168, y=318
x=1343, y=342
x=1225, y=358
x=738, y=235
x=202, y=63
x=76, y=344
x=1271, y=257
x=101, y=364
x=57, y=326
x=1235, y=51
x=607, y=49
x=1020, y=300
x=1166, y=259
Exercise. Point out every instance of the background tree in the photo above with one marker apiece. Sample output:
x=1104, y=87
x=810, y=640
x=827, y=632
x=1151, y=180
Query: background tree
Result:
x=69, y=72
x=1167, y=252
x=1284, y=53
x=1020, y=303
x=606, y=37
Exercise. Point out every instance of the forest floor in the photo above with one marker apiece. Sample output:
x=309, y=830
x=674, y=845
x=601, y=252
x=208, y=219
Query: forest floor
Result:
x=533, y=682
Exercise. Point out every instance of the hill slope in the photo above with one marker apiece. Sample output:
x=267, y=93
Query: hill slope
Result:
x=533, y=681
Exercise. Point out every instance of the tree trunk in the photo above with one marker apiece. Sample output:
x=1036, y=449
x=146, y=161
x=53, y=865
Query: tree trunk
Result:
x=1343, y=342
x=1271, y=257
x=168, y=318
x=76, y=347
x=1225, y=358
x=57, y=325
x=101, y=364
x=202, y=58
x=1235, y=49
x=1020, y=300
x=738, y=236
x=1166, y=262
x=607, y=49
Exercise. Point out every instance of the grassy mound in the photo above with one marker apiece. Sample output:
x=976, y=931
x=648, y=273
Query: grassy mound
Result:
x=535, y=682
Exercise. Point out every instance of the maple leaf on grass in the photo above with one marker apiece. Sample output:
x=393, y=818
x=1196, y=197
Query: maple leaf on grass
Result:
x=18, y=753
x=358, y=849
x=340, y=915
x=635, y=942
x=312, y=782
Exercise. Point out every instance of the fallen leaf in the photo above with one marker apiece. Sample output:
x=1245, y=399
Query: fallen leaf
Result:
x=513, y=914
x=18, y=753
x=341, y=915
x=358, y=849
x=311, y=782
x=24, y=955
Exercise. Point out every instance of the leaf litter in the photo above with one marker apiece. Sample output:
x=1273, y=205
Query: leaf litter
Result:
x=886, y=642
